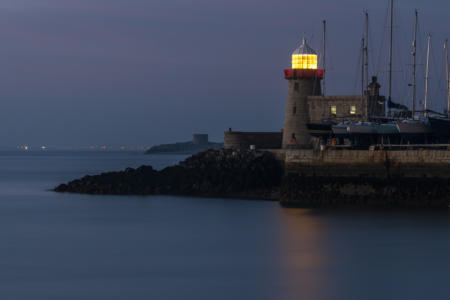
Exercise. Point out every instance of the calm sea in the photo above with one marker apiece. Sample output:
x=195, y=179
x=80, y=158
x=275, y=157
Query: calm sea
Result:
x=60, y=246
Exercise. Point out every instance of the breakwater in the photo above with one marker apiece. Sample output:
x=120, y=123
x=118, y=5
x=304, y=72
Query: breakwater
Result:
x=405, y=178
x=213, y=173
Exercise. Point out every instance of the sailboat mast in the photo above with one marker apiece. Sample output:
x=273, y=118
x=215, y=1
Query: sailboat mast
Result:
x=366, y=51
x=427, y=75
x=414, y=53
x=324, y=66
x=363, y=64
x=448, y=77
x=391, y=55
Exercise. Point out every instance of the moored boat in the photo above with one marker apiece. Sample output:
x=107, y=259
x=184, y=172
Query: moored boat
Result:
x=441, y=129
x=414, y=127
x=362, y=128
x=387, y=129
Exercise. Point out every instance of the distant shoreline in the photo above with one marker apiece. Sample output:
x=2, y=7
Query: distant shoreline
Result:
x=183, y=148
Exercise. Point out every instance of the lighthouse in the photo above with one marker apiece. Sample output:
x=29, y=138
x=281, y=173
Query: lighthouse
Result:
x=304, y=79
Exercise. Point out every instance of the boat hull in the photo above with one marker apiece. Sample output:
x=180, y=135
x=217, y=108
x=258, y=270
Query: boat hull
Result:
x=441, y=129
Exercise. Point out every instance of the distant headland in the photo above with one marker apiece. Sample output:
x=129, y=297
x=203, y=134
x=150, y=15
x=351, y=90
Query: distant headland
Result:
x=199, y=143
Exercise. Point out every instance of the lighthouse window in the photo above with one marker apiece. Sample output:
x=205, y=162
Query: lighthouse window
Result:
x=294, y=110
x=353, y=110
x=296, y=86
x=304, y=61
x=333, y=110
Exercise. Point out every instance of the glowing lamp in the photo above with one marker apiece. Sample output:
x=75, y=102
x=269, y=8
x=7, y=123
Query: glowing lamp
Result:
x=304, y=58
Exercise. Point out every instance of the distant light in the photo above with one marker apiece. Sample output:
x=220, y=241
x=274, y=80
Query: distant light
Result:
x=43, y=148
x=26, y=148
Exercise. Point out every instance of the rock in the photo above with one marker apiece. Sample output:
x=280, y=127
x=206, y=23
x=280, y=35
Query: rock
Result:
x=213, y=173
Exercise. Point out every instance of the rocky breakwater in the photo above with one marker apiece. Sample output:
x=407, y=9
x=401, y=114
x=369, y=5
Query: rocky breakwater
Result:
x=213, y=173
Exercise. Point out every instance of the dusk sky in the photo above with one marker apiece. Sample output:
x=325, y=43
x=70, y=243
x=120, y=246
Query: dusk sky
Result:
x=144, y=72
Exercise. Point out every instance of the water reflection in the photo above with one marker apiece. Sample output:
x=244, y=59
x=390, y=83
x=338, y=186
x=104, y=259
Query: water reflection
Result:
x=304, y=258
x=365, y=255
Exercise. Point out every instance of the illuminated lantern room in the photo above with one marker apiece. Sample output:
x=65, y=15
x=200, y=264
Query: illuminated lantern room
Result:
x=304, y=57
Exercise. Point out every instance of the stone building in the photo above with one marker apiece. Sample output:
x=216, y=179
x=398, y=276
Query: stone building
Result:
x=200, y=139
x=344, y=108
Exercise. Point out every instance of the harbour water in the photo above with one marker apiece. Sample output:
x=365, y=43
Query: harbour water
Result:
x=61, y=246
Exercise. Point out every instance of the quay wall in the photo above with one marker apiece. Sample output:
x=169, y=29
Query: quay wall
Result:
x=392, y=178
x=379, y=163
x=430, y=156
x=261, y=140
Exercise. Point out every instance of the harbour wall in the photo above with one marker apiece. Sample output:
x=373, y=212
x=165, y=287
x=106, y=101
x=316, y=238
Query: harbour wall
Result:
x=387, y=178
x=377, y=163
x=261, y=140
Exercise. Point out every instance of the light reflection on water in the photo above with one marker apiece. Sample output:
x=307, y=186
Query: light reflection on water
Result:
x=60, y=246
x=367, y=255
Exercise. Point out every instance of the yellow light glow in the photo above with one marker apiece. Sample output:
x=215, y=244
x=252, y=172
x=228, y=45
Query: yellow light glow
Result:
x=353, y=110
x=333, y=110
x=304, y=61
